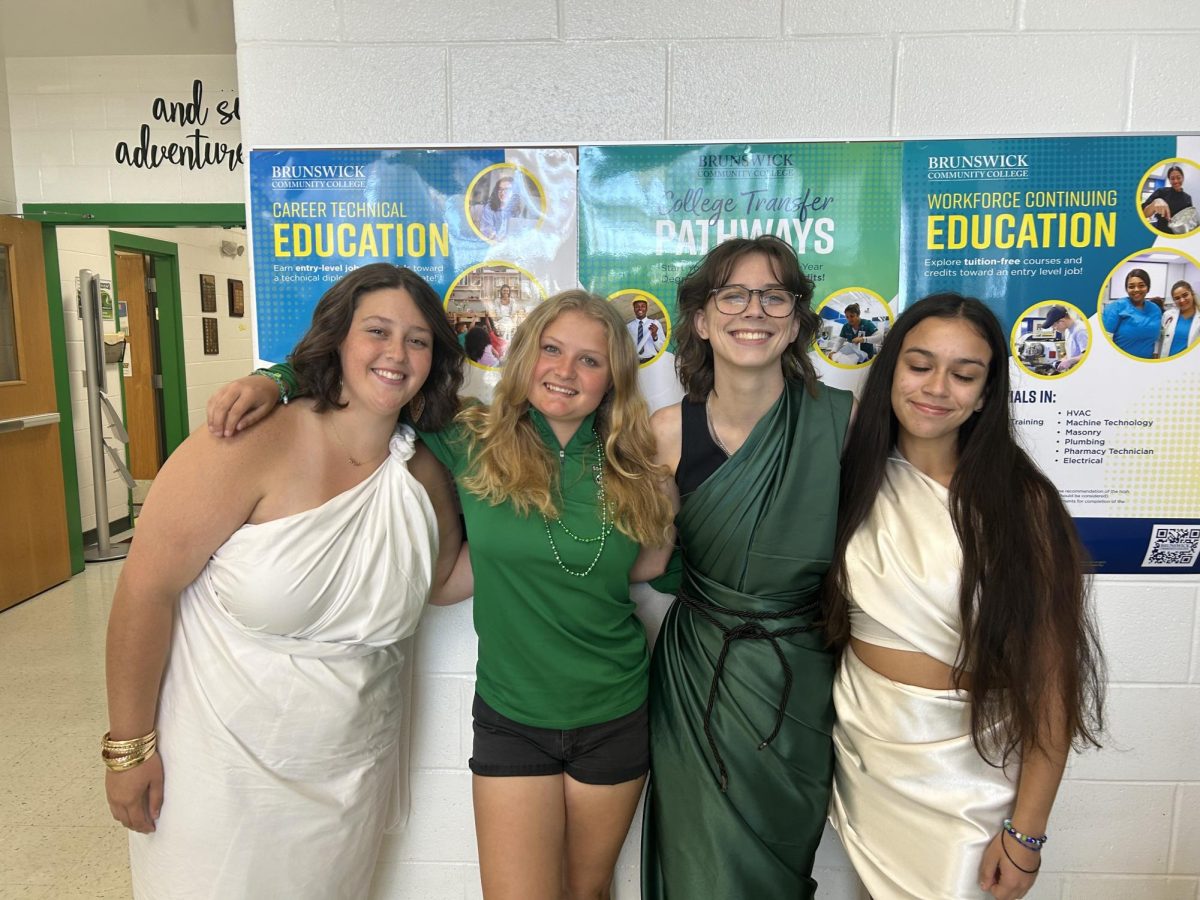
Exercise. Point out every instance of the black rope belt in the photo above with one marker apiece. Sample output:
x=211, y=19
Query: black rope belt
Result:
x=748, y=629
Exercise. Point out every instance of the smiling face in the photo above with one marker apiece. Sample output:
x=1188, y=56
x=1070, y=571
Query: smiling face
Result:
x=1137, y=289
x=1175, y=179
x=1185, y=299
x=387, y=353
x=571, y=374
x=749, y=339
x=938, y=383
x=639, y=308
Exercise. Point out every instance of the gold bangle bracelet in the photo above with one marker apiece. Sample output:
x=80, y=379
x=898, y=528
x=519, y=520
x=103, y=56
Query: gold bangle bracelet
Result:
x=113, y=756
x=129, y=762
x=133, y=744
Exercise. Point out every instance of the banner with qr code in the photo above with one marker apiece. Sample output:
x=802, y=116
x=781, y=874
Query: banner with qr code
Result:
x=1087, y=249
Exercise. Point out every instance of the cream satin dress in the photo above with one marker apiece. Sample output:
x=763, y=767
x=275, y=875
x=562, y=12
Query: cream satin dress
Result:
x=913, y=802
x=280, y=717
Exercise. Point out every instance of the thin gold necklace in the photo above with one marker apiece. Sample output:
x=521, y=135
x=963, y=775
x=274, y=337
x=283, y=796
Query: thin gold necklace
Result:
x=345, y=449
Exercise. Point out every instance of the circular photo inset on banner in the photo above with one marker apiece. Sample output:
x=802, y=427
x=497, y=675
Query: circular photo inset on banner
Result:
x=1051, y=338
x=485, y=304
x=854, y=323
x=1147, y=304
x=504, y=200
x=1164, y=199
x=647, y=321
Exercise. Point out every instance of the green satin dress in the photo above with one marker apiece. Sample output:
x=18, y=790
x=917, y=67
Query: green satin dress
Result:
x=740, y=708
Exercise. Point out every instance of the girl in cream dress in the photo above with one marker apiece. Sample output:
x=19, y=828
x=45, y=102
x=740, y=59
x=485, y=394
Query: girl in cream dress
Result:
x=969, y=663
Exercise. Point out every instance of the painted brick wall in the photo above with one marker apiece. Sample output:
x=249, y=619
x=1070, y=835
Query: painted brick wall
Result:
x=67, y=115
x=1127, y=824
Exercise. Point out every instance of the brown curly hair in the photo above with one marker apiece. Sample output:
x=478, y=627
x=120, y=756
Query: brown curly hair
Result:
x=317, y=364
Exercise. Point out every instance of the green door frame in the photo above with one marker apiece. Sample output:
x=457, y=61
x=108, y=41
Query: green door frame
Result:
x=108, y=215
x=170, y=328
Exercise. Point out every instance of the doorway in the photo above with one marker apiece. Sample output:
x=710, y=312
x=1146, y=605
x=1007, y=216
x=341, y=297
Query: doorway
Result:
x=166, y=271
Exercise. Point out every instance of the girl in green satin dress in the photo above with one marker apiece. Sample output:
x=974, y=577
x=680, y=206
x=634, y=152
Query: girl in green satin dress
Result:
x=740, y=707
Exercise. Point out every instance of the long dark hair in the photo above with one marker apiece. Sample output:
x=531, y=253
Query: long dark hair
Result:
x=1029, y=646
x=318, y=366
x=493, y=200
x=693, y=354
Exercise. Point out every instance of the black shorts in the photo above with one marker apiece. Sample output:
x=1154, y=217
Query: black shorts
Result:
x=609, y=753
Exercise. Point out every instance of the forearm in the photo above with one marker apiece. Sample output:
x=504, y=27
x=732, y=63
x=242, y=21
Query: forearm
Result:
x=459, y=584
x=139, y=635
x=1041, y=774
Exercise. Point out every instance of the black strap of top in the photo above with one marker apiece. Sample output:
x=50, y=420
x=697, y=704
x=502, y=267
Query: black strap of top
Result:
x=699, y=455
x=748, y=629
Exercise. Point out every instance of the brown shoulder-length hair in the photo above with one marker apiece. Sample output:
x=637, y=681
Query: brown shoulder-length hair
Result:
x=1029, y=644
x=511, y=463
x=693, y=354
x=318, y=366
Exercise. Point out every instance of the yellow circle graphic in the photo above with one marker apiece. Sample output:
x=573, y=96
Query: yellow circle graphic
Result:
x=538, y=192
x=833, y=344
x=630, y=296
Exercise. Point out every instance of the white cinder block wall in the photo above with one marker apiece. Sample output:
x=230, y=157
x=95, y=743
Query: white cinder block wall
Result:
x=373, y=71
x=67, y=114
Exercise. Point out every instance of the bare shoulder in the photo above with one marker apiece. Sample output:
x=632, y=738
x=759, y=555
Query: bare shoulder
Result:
x=667, y=426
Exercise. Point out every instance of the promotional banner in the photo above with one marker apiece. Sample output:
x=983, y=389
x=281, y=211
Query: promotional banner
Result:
x=1086, y=248
x=649, y=213
x=492, y=230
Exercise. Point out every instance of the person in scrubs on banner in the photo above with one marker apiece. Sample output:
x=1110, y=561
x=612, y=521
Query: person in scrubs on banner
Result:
x=1134, y=321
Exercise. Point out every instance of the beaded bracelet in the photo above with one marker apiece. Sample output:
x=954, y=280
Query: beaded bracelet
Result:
x=285, y=389
x=1033, y=843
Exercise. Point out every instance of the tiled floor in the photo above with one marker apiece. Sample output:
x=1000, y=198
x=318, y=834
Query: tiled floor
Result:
x=57, y=839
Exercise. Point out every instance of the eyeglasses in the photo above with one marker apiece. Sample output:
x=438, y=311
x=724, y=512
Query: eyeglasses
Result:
x=734, y=298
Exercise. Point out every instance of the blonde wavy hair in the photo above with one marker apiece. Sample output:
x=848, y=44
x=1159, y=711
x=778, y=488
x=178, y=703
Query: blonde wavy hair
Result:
x=509, y=460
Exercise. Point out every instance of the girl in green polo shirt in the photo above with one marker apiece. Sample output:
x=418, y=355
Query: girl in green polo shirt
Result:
x=558, y=485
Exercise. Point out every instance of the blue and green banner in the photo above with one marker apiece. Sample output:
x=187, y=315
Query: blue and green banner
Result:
x=1087, y=250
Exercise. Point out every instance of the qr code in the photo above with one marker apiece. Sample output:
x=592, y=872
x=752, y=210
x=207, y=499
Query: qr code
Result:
x=1173, y=546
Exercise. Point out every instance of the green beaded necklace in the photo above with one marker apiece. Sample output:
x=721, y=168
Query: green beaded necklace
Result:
x=606, y=526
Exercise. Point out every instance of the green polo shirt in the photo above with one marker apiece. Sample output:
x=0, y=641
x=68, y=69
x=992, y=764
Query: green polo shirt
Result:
x=555, y=650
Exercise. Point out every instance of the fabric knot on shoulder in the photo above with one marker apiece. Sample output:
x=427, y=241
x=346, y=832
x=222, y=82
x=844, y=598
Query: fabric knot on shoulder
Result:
x=404, y=443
